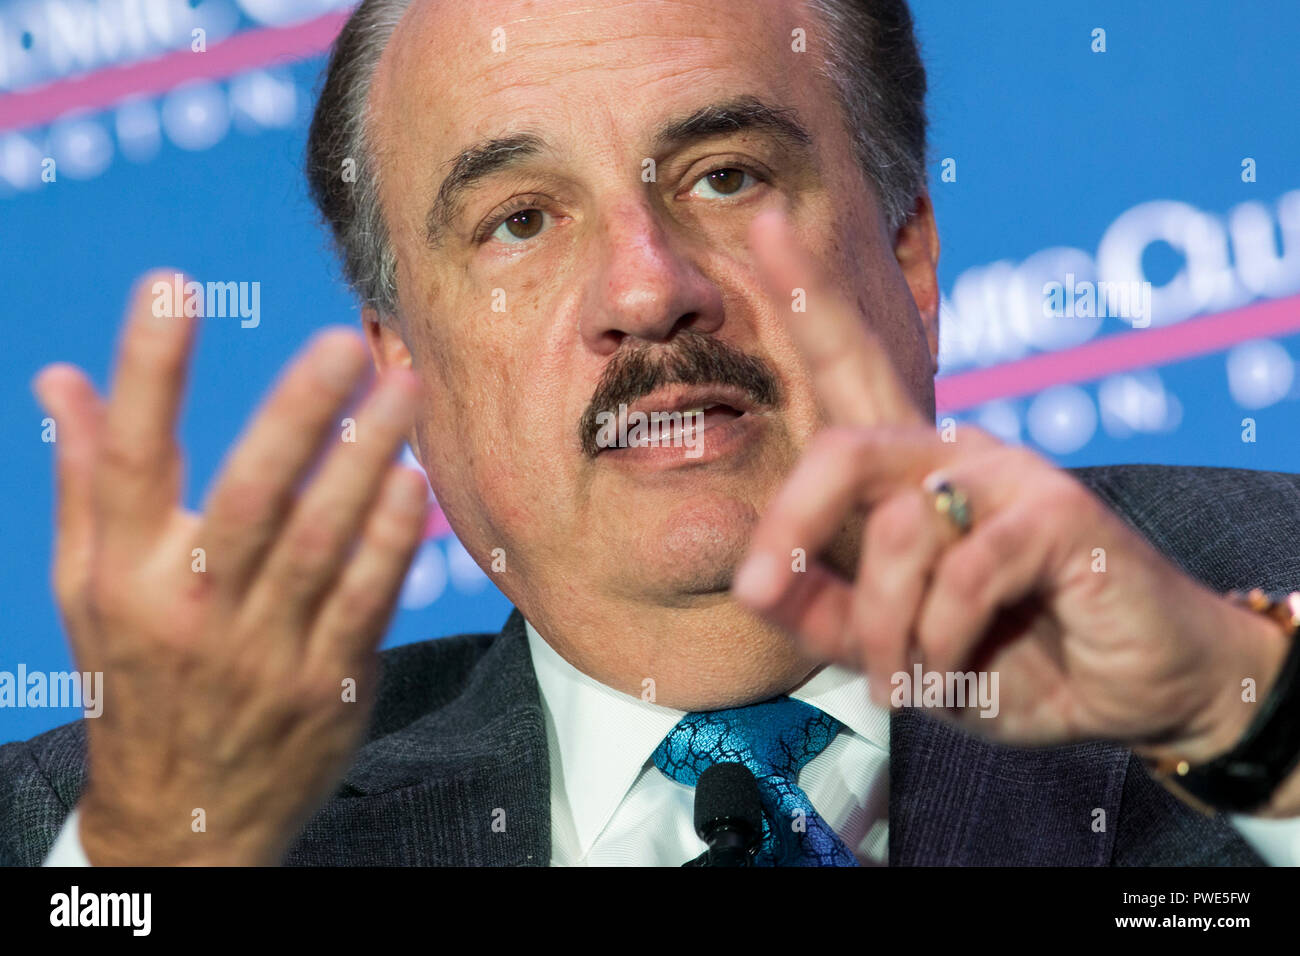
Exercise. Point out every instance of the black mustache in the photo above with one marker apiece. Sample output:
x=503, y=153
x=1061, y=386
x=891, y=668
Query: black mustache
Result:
x=695, y=359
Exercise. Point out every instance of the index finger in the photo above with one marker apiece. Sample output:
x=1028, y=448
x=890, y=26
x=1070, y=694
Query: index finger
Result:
x=850, y=368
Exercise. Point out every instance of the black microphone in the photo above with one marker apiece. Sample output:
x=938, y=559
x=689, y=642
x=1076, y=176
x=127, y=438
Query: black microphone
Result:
x=728, y=816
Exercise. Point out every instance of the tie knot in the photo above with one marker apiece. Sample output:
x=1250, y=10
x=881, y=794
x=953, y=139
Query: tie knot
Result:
x=773, y=739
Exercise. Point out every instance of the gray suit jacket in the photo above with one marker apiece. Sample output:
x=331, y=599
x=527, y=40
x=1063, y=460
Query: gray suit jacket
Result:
x=458, y=736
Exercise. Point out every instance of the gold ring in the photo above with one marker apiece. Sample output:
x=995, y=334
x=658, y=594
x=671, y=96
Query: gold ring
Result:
x=953, y=505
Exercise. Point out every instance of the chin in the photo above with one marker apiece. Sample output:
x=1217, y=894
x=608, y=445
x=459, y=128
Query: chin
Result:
x=693, y=547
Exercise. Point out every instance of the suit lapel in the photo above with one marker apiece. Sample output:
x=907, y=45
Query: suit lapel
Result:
x=958, y=800
x=466, y=784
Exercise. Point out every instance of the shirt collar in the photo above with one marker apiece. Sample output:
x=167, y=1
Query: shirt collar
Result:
x=605, y=736
x=845, y=695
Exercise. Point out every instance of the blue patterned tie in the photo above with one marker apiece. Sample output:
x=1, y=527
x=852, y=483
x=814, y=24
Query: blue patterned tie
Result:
x=774, y=740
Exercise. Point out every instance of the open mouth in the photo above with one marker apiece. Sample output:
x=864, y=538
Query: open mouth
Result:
x=675, y=416
x=678, y=427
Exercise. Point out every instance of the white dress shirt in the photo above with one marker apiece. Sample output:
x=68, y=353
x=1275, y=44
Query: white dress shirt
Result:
x=610, y=806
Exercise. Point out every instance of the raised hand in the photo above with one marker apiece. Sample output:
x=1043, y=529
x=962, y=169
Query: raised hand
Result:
x=229, y=640
x=1136, y=652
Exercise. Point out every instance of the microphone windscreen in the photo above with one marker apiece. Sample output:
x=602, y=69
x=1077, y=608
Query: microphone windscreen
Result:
x=727, y=791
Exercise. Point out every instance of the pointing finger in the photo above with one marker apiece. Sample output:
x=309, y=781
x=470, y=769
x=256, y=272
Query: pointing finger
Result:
x=851, y=370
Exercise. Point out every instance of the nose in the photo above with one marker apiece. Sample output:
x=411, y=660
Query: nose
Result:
x=645, y=286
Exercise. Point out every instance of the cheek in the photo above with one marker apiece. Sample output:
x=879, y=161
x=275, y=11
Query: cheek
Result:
x=488, y=441
x=499, y=484
x=463, y=370
x=481, y=488
x=802, y=414
x=874, y=281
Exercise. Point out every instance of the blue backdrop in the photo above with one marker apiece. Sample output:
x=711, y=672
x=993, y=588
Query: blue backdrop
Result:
x=1165, y=150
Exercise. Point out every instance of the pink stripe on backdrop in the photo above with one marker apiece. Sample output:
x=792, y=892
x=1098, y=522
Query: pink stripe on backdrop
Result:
x=1122, y=352
x=103, y=88
x=436, y=526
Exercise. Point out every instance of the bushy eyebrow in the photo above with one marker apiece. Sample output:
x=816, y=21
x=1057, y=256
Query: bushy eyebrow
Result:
x=471, y=166
x=498, y=154
x=743, y=114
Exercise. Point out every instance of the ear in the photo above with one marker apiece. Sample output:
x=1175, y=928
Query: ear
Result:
x=916, y=247
x=387, y=347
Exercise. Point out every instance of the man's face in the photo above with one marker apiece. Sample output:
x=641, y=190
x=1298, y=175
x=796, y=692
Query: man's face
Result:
x=593, y=253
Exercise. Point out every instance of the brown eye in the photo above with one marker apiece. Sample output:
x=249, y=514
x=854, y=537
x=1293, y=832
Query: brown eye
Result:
x=727, y=181
x=524, y=224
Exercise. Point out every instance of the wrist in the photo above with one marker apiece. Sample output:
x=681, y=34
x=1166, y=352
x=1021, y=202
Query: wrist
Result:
x=1240, y=645
x=114, y=836
x=1237, y=751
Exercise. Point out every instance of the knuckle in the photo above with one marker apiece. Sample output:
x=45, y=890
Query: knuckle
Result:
x=1063, y=500
x=895, y=526
x=1024, y=461
x=933, y=643
x=844, y=449
x=963, y=573
x=391, y=532
x=361, y=607
x=312, y=544
x=106, y=594
x=838, y=441
x=249, y=671
x=120, y=455
x=979, y=438
x=158, y=354
x=937, y=637
x=873, y=636
x=320, y=687
x=193, y=597
x=69, y=586
x=247, y=503
x=1001, y=538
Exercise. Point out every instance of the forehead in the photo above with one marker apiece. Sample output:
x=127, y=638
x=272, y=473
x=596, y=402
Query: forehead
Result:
x=455, y=71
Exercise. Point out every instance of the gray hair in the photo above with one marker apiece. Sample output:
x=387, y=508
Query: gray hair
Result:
x=872, y=61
